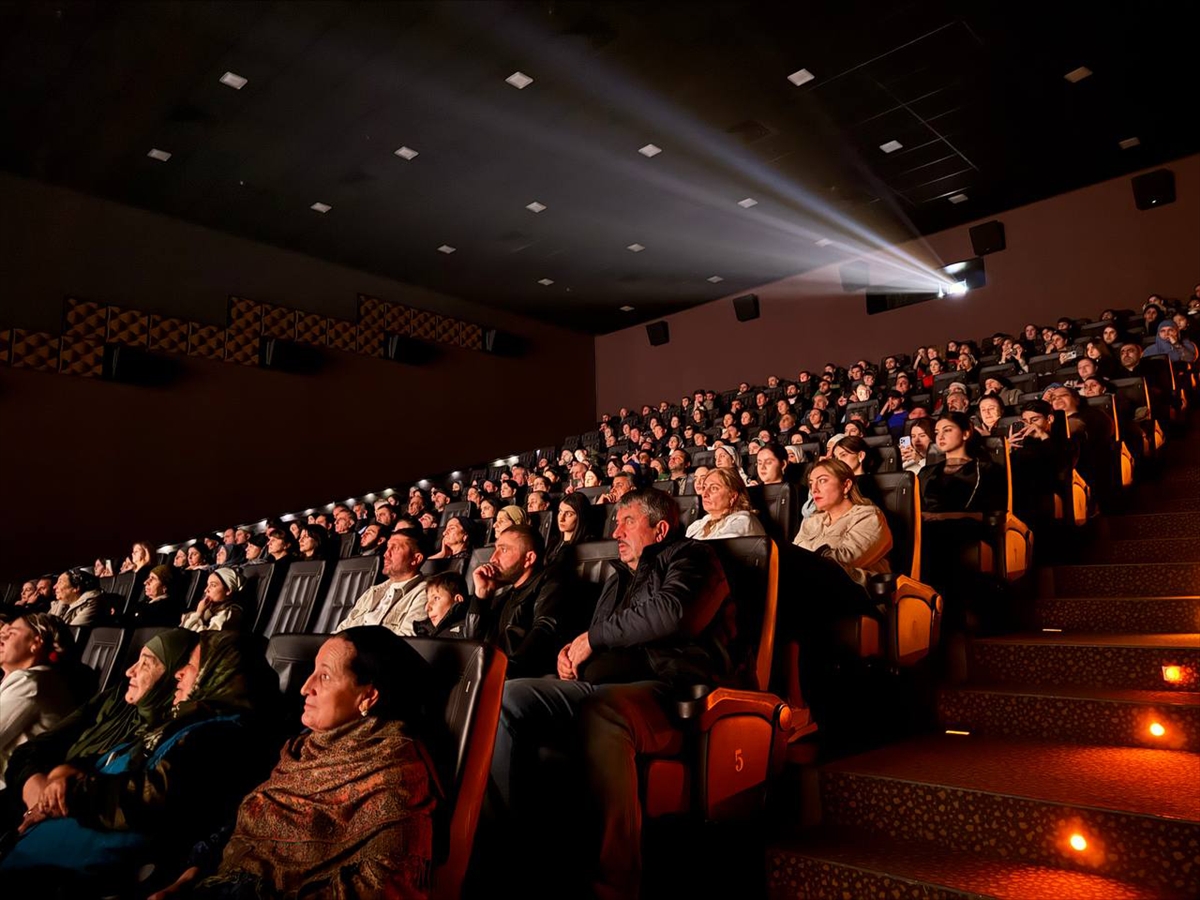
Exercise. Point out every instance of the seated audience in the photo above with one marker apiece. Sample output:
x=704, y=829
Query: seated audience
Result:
x=217, y=609
x=1041, y=459
x=77, y=595
x=198, y=556
x=622, y=484
x=159, y=606
x=399, y=602
x=846, y=528
x=571, y=527
x=727, y=511
x=507, y=517
x=991, y=411
x=456, y=539
x=34, y=690
x=1168, y=343
x=282, y=545
x=313, y=542
x=537, y=501
x=920, y=434
x=771, y=464
x=445, y=606
x=256, y=546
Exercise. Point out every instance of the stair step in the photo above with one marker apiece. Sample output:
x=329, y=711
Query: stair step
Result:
x=1147, y=550
x=837, y=869
x=1120, y=661
x=1074, y=715
x=1129, y=614
x=1182, y=502
x=1138, y=809
x=1147, y=526
x=1127, y=579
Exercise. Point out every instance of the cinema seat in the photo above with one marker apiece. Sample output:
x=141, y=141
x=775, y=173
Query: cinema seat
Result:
x=351, y=579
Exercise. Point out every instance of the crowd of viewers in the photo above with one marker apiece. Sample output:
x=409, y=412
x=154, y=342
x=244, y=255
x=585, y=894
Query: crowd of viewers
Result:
x=127, y=776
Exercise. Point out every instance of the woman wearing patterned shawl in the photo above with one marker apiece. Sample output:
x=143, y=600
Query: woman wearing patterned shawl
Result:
x=348, y=810
x=150, y=798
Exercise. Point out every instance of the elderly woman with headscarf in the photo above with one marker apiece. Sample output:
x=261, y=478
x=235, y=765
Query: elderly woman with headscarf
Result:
x=1168, y=343
x=727, y=457
x=150, y=798
x=162, y=602
x=348, y=810
x=217, y=610
x=507, y=517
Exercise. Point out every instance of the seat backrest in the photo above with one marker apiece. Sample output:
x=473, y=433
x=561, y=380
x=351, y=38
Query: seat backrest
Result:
x=869, y=409
x=137, y=640
x=879, y=440
x=478, y=558
x=889, y=459
x=591, y=492
x=1025, y=382
x=292, y=657
x=122, y=585
x=467, y=685
x=106, y=583
x=102, y=652
x=347, y=544
x=703, y=458
x=902, y=509
x=593, y=561
x=690, y=509
x=351, y=579
x=259, y=585
x=751, y=566
x=778, y=507
x=997, y=448
x=297, y=598
x=985, y=372
x=1045, y=363
x=444, y=564
x=193, y=586
x=460, y=508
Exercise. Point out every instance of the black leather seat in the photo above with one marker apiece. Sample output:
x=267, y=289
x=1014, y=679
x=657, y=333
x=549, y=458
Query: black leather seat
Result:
x=137, y=639
x=478, y=558
x=459, y=508
x=348, y=544
x=259, y=584
x=103, y=652
x=297, y=600
x=778, y=508
x=351, y=579
x=437, y=566
x=193, y=584
x=690, y=509
x=122, y=585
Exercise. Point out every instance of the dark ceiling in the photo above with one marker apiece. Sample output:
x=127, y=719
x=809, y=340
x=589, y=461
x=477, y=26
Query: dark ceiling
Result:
x=975, y=93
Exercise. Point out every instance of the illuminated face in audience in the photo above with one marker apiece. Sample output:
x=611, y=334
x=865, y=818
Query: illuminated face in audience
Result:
x=568, y=520
x=332, y=695
x=1063, y=400
x=215, y=591
x=990, y=411
x=622, y=484
x=717, y=498
x=590, y=479
x=402, y=559
x=181, y=559
x=634, y=533
x=698, y=479
x=438, y=602
x=487, y=509
x=155, y=589
x=1086, y=368
x=1031, y=332
x=502, y=524
x=222, y=555
x=700, y=439
x=853, y=427
x=853, y=460
x=28, y=594
x=1092, y=388
x=1058, y=342
x=343, y=521
x=825, y=490
x=677, y=461
x=921, y=440
x=195, y=560
x=950, y=438
x=957, y=401
x=815, y=419
x=186, y=678
x=536, y=502
x=1169, y=333
x=770, y=469
x=276, y=545
x=145, y=672
x=253, y=552
x=862, y=393
x=507, y=491
x=308, y=543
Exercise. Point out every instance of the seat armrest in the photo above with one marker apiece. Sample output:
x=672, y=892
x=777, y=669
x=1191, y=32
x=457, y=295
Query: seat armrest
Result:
x=718, y=703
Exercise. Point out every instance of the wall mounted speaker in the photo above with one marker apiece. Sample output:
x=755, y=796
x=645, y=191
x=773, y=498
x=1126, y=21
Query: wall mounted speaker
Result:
x=288, y=356
x=988, y=238
x=502, y=343
x=855, y=276
x=746, y=308
x=659, y=333
x=134, y=365
x=408, y=350
x=1154, y=189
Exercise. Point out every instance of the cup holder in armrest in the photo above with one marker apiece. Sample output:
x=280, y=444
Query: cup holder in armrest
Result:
x=882, y=584
x=690, y=702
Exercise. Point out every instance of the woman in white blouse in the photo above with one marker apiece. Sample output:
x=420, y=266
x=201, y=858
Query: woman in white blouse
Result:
x=846, y=528
x=726, y=507
x=34, y=693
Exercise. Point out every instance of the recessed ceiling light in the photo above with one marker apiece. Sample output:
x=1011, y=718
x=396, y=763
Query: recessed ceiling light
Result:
x=715, y=279
x=650, y=150
x=958, y=198
x=519, y=80
x=636, y=248
x=406, y=153
x=545, y=282
x=160, y=155
x=535, y=206
x=1129, y=143
x=626, y=309
x=890, y=146
x=446, y=248
x=1077, y=75
x=801, y=76
x=824, y=242
x=321, y=207
x=237, y=82
x=747, y=203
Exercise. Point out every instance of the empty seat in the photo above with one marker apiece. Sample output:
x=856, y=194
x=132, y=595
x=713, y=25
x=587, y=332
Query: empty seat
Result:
x=297, y=600
x=103, y=652
x=702, y=458
x=348, y=544
x=778, y=507
x=351, y=579
x=122, y=585
x=258, y=580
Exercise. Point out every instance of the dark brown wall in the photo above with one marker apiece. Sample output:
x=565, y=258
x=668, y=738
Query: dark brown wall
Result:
x=1073, y=255
x=87, y=466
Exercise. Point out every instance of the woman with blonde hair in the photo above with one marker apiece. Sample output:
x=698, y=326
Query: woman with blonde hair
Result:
x=727, y=511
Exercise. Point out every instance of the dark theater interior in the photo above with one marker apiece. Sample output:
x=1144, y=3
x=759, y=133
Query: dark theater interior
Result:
x=579, y=448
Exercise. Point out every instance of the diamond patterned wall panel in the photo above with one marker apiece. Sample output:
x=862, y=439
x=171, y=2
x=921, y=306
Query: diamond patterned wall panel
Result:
x=81, y=356
x=206, y=341
x=84, y=319
x=470, y=336
x=168, y=335
x=279, y=321
x=424, y=325
x=372, y=317
x=37, y=350
x=128, y=326
x=371, y=311
x=5, y=346
x=241, y=346
x=341, y=335
x=447, y=330
x=310, y=328
x=397, y=319
x=245, y=315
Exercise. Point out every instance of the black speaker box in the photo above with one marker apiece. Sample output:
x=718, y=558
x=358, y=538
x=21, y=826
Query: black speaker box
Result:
x=404, y=349
x=501, y=343
x=659, y=333
x=288, y=356
x=1154, y=189
x=746, y=308
x=988, y=238
x=135, y=365
x=855, y=276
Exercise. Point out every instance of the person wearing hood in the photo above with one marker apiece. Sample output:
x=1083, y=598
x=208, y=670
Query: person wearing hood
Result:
x=217, y=610
x=159, y=606
x=232, y=554
x=77, y=593
x=1168, y=343
x=150, y=798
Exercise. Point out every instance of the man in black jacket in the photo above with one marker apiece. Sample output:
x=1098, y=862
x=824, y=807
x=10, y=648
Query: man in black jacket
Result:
x=519, y=605
x=654, y=632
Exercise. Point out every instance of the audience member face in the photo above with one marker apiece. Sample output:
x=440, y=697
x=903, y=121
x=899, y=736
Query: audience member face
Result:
x=428, y=521
x=852, y=427
x=145, y=672
x=20, y=646
x=1036, y=421
x=536, y=502
x=45, y=588
x=621, y=486
x=957, y=402
x=370, y=537
x=487, y=509
x=181, y=559
x=826, y=491
x=568, y=520
x=294, y=527
x=194, y=559
x=63, y=591
x=1131, y=355
x=438, y=602
x=1092, y=388
x=276, y=546
x=590, y=479
x=918, y=412
x=138, y=555
x=1086, y=368
x=227, y=537
x=215, y=591
x=253, y=552
x=634, y=533
x=951, y=439
x=1063, y=401
x=343, y=521
x=770, y=469
x=401, y=559
x=717, y=499
x=332, y=695
x=853, y=460
x=186, y=677
x=510, y=559
x=222, y=555
x=308, y=543
x=155, y=589
x=921, y=440
x=991, y=411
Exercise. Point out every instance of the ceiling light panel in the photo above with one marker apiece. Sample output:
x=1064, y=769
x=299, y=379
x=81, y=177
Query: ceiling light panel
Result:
x=545, y=282
x=715, y=279
x=407, y=153
x=824, y=242
x=747, y=203
x=447, y=249
x=519, y=80
x=321, y=207
x=160, y=155
x=890, y=146
x=1077, y=75
x=635, y=248
x=650, y=150
x=1129, y=143
x=801, y=76
x=958, y=198
x=535, y=206
x=626, y=309
x=233, y=80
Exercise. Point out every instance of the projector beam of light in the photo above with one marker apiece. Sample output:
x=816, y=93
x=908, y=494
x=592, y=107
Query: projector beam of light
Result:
x=661, y=119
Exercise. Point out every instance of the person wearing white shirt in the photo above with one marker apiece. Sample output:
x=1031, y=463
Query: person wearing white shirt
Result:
x=398, y=603
x=726, y=507
x=34, y=695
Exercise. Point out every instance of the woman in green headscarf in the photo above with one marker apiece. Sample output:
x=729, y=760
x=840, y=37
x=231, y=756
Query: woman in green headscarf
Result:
x=149, y=799
x=110, y=719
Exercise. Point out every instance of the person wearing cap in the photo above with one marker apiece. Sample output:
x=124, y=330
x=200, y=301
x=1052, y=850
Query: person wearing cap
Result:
x=159, y=606
x=217, y=611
